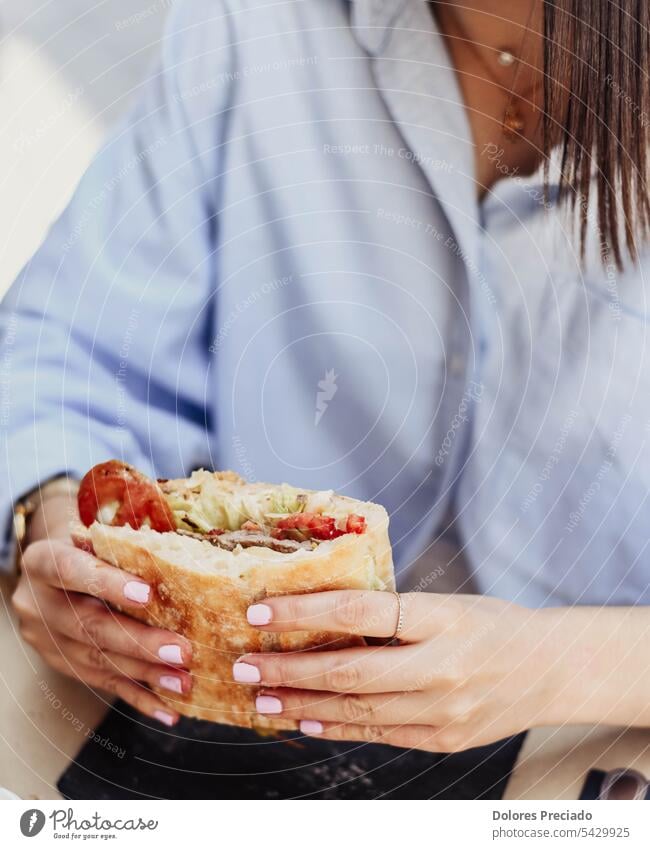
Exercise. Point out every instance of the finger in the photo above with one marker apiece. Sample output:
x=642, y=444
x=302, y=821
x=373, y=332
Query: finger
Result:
x=130, y=692
x=86, y=620
x=382, y=669
x=424, y=737
x=364, y=612
x=359, y=709
x=59, y=564
x=175, y=681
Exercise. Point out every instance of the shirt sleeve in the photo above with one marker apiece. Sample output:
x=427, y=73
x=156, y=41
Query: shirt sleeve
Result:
x=106, y=331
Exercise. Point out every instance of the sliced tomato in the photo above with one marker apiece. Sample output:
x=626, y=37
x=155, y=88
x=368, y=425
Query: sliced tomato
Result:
x=139, y=499
x=312, y=525
x=355, y=524
x=317, y=526
x=309, y=525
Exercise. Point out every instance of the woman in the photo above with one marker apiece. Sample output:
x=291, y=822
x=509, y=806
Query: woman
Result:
x=395, y=248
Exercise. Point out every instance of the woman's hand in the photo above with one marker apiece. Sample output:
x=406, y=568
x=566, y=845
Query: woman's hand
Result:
x=61, y=600
x=469, y=669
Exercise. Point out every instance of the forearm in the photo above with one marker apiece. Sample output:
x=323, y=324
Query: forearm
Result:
x=601, y=661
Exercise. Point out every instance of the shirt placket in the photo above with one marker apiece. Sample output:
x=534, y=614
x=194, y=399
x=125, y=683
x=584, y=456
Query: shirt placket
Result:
x=416, y=79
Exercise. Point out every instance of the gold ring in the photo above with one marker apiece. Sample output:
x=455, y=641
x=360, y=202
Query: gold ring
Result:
x=400, y=616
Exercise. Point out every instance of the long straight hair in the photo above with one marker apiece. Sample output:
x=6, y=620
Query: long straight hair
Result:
x=597, y=111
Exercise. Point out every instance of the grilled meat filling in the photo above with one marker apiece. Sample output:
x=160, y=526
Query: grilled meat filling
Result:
x=229, y=540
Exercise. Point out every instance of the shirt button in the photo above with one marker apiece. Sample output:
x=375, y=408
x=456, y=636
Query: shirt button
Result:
x=456, y=365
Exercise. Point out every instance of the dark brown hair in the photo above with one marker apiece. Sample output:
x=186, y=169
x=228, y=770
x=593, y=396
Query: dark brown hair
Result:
x=596, y=109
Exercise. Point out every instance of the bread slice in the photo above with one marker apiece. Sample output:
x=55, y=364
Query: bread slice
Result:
x=203, y=592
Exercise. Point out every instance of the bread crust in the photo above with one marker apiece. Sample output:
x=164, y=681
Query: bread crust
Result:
x=203, y=593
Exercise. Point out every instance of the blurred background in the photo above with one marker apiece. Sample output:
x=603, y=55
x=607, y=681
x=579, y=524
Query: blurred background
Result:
x=68, y=71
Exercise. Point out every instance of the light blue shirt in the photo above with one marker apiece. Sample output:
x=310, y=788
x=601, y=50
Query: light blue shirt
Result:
x=278, y=264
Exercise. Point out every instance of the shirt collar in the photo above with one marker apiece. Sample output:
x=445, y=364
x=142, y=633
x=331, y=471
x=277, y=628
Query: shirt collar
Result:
x=372, y=21
x=415, y=74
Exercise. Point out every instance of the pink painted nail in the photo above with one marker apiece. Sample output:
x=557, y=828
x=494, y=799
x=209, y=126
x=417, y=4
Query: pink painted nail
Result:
x=164, y=717
x=171, y=682
x=311, y=726
x=246, y=673
x=259, y=614
x=137, y=591
x=170, y=654
x=268, y=704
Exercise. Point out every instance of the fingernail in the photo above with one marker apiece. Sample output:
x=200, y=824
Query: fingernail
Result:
x=259, y=614
x=268, y=704
x=170, y=654
x=164, y=717
x=171, y=682
x=246, y=673
x=311, y=726
x=137, y=591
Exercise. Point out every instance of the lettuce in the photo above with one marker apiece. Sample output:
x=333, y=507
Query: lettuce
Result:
x=214, y=507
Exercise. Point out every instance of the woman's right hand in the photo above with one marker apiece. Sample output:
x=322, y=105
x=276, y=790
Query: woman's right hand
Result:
x=62, y=601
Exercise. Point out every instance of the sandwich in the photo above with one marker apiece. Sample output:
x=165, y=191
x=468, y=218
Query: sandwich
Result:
x=211, y=545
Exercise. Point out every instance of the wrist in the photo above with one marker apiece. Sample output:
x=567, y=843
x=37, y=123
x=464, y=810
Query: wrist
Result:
x=592, y=671
x=54, y=506
x=552, y=671
x=562, y=665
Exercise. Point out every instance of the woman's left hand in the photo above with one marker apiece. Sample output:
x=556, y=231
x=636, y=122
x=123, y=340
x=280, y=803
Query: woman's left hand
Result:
x=468, y=670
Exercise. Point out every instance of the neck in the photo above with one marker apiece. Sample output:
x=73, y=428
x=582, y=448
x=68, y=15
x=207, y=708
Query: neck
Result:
x=491, y=15
x=503, y=96
x=494, y=25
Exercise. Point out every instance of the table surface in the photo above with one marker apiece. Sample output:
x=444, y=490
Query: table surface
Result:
x=45, y=719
